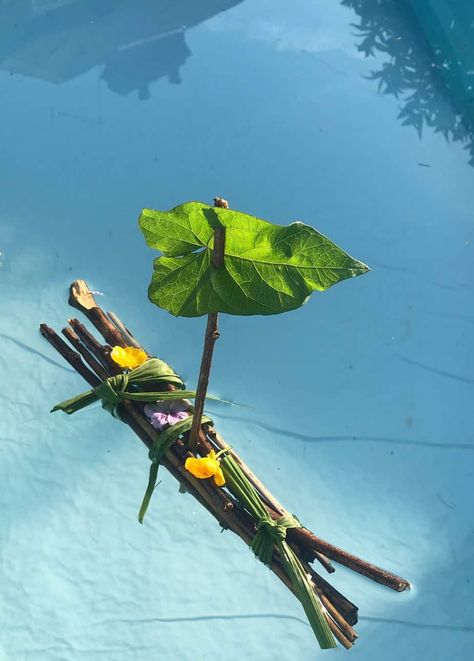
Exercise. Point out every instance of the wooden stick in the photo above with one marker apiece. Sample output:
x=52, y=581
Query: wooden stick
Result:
x=219, y=247
x=277, y=569
x=81, y=297
x=344, y=626
x=338, y=617
x=88, y=357
x=347, y=609
x=101, y=352
x=210, y=338
x=337, y=632
x=377, y=574
x=72, y=357
x=128, y=338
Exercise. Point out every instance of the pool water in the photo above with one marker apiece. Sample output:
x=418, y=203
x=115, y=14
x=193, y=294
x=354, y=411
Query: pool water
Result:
x=356, y=117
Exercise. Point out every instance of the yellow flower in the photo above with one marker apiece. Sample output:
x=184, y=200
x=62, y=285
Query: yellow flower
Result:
x=129, y=357
x=206, y=467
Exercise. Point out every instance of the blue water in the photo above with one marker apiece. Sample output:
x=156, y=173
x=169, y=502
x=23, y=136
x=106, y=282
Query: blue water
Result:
x=359, y=405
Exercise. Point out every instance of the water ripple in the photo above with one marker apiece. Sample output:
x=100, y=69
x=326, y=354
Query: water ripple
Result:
x=420, y=625
x=35, y=352
x=283, y=616
x=306, y=438
x=436, y=370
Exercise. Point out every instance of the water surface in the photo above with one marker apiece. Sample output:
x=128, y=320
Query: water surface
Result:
x=355, y=117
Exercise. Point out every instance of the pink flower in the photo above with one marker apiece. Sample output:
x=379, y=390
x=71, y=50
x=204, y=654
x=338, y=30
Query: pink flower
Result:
x=163, y=414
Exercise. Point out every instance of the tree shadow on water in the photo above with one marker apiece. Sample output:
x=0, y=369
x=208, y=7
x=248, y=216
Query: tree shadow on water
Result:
x=429, y=46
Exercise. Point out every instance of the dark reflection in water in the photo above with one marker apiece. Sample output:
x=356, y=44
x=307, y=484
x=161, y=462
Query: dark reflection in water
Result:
x=430, y=49
x=137, y=41
x=429, y=46
x=124, y=71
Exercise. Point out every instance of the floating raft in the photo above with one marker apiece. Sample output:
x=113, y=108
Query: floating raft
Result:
x=281, y=541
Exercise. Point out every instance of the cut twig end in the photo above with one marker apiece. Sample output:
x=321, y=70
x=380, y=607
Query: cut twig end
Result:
x=220, y=202
x=80, y=296
x=404, y=585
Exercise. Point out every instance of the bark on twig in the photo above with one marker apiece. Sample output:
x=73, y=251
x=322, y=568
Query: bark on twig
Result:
x=93, y=363
x=72, y=357
x=377, y=574
x=128, y=338
x=211, y=336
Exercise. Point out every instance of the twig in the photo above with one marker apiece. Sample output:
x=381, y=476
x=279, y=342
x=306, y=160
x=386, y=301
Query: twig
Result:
x=219, y=247
x=347, y=609
x=88, y=358
x=278, y=570
x=100, y=351
x=210, y=337
x=72, y=357
x=344, y=626
x=128, y=338
x=377, y=574
x=337, y=632
x=220, y=202
x=81, y=297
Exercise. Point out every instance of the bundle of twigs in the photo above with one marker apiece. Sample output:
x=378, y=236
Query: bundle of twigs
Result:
x=93, y=362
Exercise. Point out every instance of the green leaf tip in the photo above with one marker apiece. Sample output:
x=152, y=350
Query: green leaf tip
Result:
x=267, y=269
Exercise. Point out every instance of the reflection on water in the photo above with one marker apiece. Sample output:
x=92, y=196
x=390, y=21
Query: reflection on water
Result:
x=430, y=49
x=429, y=46
x=137, y=42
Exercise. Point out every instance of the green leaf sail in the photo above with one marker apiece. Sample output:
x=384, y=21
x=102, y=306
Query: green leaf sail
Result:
x=268, y=269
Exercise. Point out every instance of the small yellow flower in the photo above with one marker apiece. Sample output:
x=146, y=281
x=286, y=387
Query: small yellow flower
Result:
x=206, y=467
x=129, y=357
